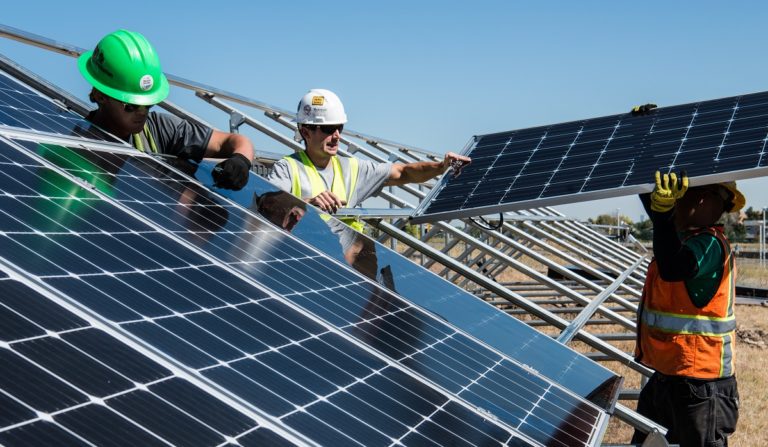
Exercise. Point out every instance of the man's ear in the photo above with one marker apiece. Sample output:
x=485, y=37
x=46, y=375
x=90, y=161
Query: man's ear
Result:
x=98, y=97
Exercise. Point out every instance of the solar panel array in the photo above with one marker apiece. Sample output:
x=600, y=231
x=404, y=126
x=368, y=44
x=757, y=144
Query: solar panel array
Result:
x=604, y=157
x=290, y=338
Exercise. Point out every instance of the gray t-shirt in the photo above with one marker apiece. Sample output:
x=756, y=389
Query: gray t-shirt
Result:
x=370, y=178
x=176, y=136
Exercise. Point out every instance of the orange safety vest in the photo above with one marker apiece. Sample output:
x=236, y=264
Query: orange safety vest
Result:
x=674, y=337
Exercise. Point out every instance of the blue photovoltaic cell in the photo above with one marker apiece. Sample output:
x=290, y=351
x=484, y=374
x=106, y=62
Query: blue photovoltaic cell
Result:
x=25, y=109
x=605, y=156
x=516, y=396
x=64, y=382
x=211, y=321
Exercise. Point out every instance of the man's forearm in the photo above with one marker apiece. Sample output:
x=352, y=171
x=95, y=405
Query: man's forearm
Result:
x=225, y=145
x=238, y=144
x=676, y=261
x=420, y=171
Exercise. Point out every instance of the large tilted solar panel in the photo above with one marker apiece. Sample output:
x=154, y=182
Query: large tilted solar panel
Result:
x=505, y=391
x=242, y=339
x=65, y=382
x=25, y=109
x=723, y=139
x=420, y=286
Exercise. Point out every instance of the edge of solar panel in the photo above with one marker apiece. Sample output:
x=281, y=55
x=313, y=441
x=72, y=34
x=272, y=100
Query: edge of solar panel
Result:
x=426, y=211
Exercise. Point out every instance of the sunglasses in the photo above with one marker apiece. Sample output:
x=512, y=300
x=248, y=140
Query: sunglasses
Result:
x=133, y=108
x=327, y=129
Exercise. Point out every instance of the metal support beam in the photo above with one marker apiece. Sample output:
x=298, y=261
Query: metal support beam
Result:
x=584, y=266
x=578, y=322
x=236, y=119
x=579, y=298
x=261, y=127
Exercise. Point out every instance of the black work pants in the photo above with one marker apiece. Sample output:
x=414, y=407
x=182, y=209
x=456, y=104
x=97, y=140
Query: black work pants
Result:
x=696, y=412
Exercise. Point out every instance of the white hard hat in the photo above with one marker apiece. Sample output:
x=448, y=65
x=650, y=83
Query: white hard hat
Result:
x=320, y=106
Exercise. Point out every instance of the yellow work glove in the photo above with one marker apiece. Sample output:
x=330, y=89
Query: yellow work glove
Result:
x=642, y=110
x=668, y=189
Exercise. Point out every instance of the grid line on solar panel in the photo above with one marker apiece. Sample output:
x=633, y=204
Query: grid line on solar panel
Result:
x=710, y=138
x=57, y=368
x=304, y=282
x=23, y=108
x=218, y=369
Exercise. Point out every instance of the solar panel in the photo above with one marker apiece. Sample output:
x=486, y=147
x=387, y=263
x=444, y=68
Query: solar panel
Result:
x=244, y=340
x=64, y=381
x=447, y=301
x=712, y=141
x=511, y=393
x=23, y=108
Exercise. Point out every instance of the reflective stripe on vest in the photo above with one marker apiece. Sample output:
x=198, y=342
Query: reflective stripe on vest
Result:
x=675, y=337
x=338, y=187
x=138, y=143
x=689, y=324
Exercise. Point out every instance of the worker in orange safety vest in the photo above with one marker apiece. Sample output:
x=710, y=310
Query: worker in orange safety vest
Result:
x=686, y=325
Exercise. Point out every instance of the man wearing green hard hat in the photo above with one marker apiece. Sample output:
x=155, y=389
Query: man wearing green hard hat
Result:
x=127, y=81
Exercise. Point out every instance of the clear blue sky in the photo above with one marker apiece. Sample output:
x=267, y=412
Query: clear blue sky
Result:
x=432, y=73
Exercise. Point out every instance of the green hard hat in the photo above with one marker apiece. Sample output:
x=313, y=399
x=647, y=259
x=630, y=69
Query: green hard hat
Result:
x=125, y=67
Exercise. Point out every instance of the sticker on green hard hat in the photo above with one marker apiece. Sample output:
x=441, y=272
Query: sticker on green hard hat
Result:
x=146, y=82
x=124, y=66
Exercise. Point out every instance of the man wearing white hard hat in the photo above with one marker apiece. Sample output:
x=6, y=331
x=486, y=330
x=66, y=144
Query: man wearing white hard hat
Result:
x=320, y=177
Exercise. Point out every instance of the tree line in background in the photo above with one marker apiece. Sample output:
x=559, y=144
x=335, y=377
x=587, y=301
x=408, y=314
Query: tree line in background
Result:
x=643, y=230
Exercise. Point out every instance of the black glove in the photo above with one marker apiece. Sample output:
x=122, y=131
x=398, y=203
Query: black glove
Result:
x=232, y=173
x=642, y=110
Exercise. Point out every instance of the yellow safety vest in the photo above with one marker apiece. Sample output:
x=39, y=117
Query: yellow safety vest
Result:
x=338, y=187
x=138, y=144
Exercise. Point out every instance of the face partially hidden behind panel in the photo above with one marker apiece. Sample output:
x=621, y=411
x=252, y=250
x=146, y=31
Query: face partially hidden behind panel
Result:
x=703, y=206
